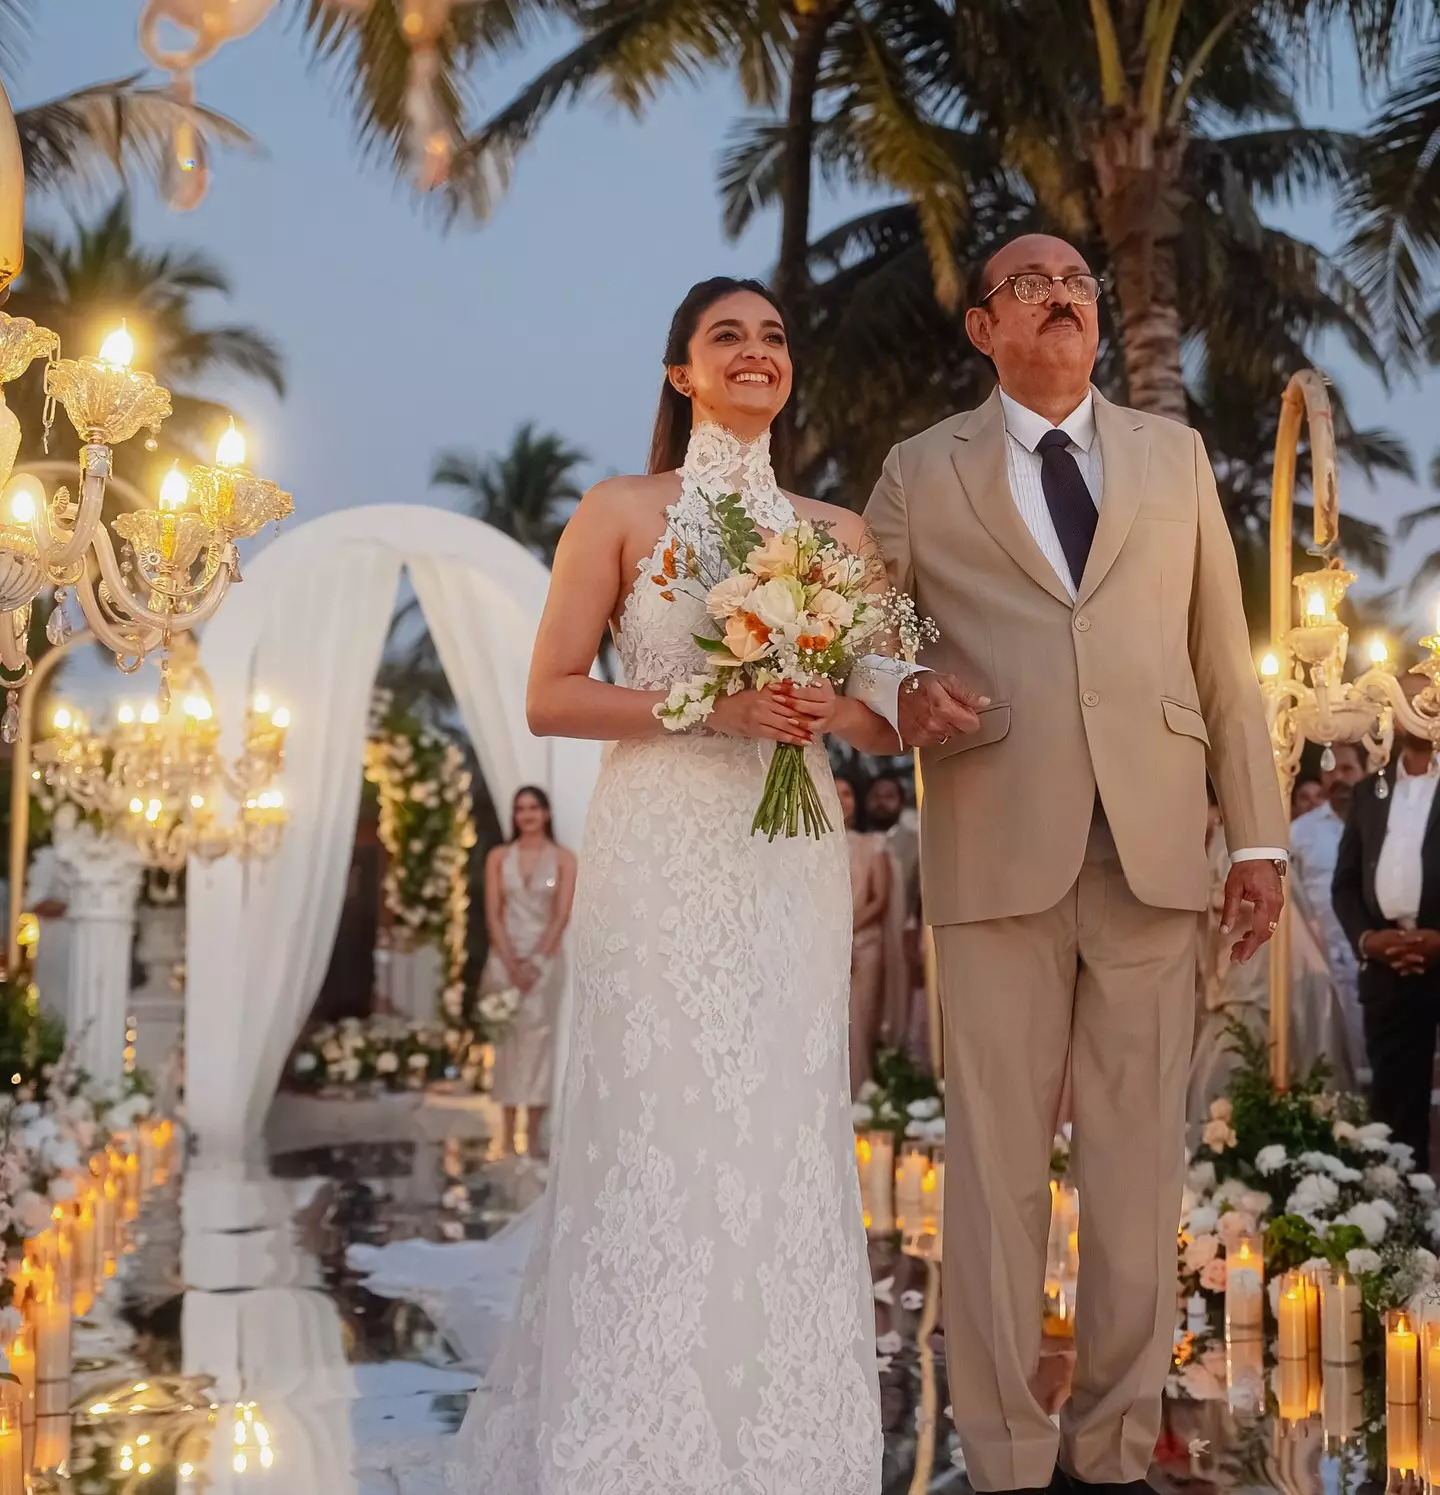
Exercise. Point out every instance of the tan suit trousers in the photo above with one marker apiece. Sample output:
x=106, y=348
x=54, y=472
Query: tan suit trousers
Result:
x=1110, y=983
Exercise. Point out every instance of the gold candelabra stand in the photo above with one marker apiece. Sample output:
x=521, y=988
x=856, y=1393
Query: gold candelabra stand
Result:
x=159, y=780
x=1302, y=677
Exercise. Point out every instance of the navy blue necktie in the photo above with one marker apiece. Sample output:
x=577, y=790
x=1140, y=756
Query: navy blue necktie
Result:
x=1068, y=500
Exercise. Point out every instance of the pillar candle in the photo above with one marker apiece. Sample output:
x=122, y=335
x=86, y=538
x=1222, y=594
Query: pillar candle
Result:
x=1244, y=1290
x=52, y=1441
x=1340, y=1319
x=83, y=1294
x=1245, y=1376
x=1432, y=1382
x=1402, y=1361
x=1293, y=1318
x=1293, y=1389
x=1311, y=1280
x=881, y=1202
x=909, y=1185
x=1402, y=1436
x=1197, y=1314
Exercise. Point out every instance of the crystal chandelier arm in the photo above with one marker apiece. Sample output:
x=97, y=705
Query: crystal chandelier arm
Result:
x=112, y=631
x=58, y=550
x=1381, y=685
x=13, y=655
x=123, y=601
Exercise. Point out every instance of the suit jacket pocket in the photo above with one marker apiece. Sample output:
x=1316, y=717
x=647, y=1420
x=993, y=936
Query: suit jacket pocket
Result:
x=994, y=724
x=1186, y=720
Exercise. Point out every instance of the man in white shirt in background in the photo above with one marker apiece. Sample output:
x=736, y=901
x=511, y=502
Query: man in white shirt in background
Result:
x=1314, y=850
x=1386, y=894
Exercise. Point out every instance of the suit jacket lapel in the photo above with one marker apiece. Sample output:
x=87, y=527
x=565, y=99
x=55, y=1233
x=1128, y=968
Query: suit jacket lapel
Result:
x=1125, y=457
x=980, y=464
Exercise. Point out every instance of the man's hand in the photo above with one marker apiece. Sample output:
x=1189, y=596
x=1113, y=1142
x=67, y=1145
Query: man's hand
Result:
x=1408, y=952
x=933, y=707
x=1258, y=884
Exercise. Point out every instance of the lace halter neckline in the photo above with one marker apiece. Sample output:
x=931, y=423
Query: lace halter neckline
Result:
x=717, y=461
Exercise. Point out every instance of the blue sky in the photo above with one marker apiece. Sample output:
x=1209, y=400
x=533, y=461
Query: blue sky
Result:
x=401, y=340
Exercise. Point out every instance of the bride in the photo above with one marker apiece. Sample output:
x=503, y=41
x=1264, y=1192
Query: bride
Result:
x=697, y=1315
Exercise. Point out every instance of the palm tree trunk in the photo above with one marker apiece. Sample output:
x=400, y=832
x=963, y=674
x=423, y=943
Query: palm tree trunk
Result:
x=792, y=272
x=1137, y=169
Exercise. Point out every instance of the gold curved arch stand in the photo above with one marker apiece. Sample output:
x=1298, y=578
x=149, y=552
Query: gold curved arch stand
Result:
x=12, y=197
x=1304, y=405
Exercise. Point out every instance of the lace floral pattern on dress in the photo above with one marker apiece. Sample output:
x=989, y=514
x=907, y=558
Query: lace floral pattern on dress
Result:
x=704, y=1138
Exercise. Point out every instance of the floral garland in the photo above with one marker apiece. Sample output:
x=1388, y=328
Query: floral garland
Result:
x=427, y=827
x=1326, y=1187
x=387, y=1053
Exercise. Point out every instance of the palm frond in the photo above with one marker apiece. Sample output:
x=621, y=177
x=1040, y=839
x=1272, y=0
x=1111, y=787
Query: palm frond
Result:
x=112, y=128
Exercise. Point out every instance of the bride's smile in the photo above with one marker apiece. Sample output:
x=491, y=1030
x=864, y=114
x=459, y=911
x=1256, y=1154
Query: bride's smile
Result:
x=739, y=373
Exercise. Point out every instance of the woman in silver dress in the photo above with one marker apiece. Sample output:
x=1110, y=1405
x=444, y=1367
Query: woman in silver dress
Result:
x=529, y=885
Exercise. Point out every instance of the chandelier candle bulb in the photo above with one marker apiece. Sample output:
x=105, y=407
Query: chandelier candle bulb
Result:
x=1340, y=1318
x=118, y=348
x=1294, y=1317
x=1245, y=1289
x=230, y=449
x=1402, y=1360
x=1269, y=666
x=1379, y=651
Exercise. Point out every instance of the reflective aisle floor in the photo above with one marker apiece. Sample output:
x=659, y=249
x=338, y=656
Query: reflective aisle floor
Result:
x=239, y=1354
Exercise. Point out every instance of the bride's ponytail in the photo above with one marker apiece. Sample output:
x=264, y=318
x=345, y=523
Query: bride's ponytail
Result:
x=675, y=417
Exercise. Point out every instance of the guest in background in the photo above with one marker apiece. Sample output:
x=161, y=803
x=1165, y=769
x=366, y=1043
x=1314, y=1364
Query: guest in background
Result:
x=1314, y=850
x=886, y=804
x=1308, y=794
x=529, y=886
x=878, y=977
x=1387, y=896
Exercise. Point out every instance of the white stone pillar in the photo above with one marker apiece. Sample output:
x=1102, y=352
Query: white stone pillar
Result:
x=104, y=882
x=158, y=1006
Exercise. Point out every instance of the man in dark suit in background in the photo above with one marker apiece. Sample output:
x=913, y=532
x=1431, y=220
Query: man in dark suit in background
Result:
x=1387, y=897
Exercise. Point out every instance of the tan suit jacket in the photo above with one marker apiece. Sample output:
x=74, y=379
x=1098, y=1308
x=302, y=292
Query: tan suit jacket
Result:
x=1136, y=689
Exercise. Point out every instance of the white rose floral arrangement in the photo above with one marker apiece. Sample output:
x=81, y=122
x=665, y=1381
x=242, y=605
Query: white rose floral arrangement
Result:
x=902, y=1099
x=427, y=827
x=1324, y=1185
x=386, y=1053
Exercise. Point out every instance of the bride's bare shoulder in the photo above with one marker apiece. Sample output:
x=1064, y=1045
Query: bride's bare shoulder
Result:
x=623, y=502
x=845, y=524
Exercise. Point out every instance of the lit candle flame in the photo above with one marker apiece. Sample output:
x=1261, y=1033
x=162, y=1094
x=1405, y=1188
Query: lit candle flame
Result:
x=24, y=495
x=63, y=719
x=126, y=715
x=261, y=704
x=118, y=348
x=281, y=717
x=174, y=491
x=137, y=806
x=1314, y=607
x=199, y=708
x=152, y=811
x=197, y=801
x=150, y=713
x=230, y=449
x=1379, y=650
x=1269, y=666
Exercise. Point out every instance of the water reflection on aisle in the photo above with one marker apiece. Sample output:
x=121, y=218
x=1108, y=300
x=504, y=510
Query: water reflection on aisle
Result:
x=239, y=1355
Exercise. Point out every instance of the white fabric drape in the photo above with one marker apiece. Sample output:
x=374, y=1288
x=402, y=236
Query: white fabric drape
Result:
x=308, y=626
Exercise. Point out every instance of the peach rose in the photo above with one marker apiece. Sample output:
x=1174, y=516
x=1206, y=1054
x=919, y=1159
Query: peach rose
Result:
x=746, y=637
x=726, y=596
x=1201, y=1252
x=1212, y=1279
x=833, y=608
x=1234, y=1224
x=777, y=556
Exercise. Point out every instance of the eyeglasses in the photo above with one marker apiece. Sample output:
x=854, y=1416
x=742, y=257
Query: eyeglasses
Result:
x=1035, y=289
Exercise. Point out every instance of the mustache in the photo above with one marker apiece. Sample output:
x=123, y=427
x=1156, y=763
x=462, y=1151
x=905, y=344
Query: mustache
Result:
x=1061, y=314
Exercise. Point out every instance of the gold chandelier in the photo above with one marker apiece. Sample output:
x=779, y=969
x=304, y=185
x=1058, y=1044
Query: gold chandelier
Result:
x=176, y=560
x=159, y=781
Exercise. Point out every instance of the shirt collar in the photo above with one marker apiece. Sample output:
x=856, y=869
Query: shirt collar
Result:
x=1402, y=773
x=1027, y=427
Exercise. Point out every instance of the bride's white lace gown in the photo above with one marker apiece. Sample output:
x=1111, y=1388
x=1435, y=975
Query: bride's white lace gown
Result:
x=697, y=1317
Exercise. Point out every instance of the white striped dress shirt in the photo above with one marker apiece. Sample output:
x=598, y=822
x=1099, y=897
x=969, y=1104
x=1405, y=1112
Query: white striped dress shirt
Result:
x=1023, y=430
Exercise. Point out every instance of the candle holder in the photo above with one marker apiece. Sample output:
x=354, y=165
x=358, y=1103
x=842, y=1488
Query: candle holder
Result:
x=1245, y=1289
x=1245, y=1376
x=1292, y=1390
x=875, y=1157
x=1293, y=1316
x=1402, y=1445
x=1341, y=1318
x=909, y=1184
x=1342, y=1405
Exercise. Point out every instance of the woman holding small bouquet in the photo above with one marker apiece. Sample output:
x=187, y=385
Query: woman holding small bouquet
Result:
x=697, y=1315
x=529, y=885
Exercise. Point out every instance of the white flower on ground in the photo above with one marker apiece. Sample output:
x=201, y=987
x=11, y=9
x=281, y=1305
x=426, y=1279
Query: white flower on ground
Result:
x=860, y=1116
x=1423, y=1263
x=1324, y=1162
x=1202, y=1218
x=1361, y=1259
x=1423, y=1184
x=1374, y=1136
x=387, y=1063
x=1402, y=1156
x=926, y=1109
x=1201, y=1177
x=1382, y=1178
x=305, y=1063
x=1271, y=1159
x=868, y=1091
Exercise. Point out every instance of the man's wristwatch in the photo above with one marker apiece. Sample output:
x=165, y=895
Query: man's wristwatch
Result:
x=1282, y=866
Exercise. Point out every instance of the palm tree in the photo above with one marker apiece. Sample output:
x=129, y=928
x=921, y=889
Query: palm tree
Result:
x=526, y=492
x=82, y=282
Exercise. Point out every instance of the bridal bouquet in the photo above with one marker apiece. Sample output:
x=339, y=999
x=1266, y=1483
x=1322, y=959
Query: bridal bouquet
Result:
x=796, y=606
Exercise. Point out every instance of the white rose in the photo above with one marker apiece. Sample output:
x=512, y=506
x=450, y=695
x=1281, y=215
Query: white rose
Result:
x=1423, y=1184
x=725, y=597
x=349, y=1070
x=305, y=1062
x=924, y=1110
x=1369, y=1218
x=860, y=1116
x=868, y=1091
x=387, y=1064
x=832, y=608
x=1202, y=1219
x=1201, y=1177
x=777, y=604
x=1362, y=1260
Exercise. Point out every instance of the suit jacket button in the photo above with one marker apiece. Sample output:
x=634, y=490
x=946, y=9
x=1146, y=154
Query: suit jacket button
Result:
x=1090, y=698
x=1082, y=624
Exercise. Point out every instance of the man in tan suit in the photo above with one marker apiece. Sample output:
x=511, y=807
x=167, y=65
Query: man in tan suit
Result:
x=1093, y=666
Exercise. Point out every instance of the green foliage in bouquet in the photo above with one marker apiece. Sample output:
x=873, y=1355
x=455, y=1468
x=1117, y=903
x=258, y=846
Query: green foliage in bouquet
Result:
x=738, y=535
